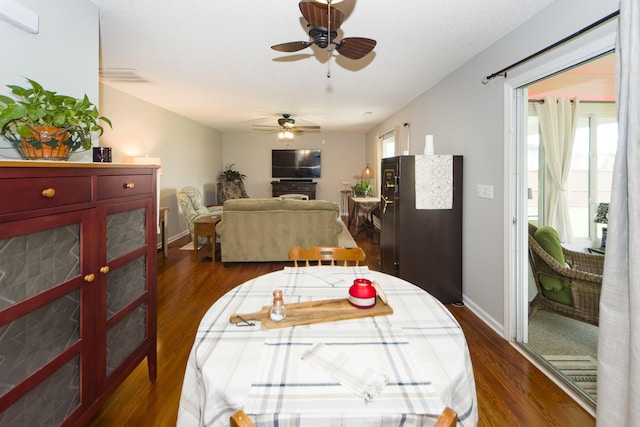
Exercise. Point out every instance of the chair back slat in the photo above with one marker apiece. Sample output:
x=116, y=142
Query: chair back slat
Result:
x=327, y=255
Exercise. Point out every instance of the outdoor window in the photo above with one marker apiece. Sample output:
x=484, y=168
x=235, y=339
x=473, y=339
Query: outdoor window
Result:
x=388, y=145
x=592, y=160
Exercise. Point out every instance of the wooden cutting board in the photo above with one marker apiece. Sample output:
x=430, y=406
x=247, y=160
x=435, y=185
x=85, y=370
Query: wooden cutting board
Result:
x=306, y=313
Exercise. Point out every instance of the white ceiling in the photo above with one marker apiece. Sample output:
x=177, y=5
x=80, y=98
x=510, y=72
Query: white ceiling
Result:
x=211, y=60
x=592, y=81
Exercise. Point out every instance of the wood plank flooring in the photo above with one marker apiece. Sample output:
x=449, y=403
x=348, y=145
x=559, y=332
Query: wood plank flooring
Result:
x=511, y=391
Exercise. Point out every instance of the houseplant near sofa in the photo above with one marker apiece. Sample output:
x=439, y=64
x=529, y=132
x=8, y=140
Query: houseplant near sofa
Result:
x=41, y=124
x=230, y=184
x=229, y=174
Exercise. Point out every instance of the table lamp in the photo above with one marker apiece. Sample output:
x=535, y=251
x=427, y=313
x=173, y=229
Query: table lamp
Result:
x=602, y=217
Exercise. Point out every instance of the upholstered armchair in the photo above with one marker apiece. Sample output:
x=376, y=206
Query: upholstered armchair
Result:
x=568, y=282
x=193, y=208
x=231, y=190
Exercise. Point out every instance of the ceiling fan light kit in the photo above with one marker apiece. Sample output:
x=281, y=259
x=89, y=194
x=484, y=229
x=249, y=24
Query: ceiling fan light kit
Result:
x=285, y=136
x=287, y=128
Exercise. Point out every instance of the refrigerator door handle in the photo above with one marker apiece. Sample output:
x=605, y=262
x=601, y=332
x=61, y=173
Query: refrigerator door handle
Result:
x=385, y=201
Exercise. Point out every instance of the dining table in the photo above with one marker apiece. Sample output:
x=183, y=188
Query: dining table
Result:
x=396, y=364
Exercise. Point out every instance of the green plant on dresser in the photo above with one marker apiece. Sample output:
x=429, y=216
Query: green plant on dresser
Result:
x=42, y=124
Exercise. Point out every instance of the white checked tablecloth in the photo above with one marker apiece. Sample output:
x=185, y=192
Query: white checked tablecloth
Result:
x=420, y=350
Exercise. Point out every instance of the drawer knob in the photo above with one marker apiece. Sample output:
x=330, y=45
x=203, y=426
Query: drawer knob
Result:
x=104, y=270
x=48, y=192
x=89, y=278
x=129, y=185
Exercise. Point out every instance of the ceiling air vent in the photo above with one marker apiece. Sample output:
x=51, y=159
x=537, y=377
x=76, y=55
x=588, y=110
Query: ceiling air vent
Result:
x=121, y=75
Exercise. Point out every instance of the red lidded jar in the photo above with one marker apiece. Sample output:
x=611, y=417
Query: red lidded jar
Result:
x=362, y=294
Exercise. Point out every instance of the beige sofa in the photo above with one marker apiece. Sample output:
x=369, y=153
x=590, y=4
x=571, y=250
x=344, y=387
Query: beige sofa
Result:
x=265, y=229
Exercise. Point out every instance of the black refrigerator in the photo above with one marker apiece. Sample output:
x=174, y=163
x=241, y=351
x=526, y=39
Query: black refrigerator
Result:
x=421, y=246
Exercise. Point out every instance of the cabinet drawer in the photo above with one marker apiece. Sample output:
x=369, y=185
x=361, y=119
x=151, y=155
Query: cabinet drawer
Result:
x=113, y=187
x=28, y=194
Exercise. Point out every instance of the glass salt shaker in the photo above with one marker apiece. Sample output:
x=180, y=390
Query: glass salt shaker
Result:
x=278, y=310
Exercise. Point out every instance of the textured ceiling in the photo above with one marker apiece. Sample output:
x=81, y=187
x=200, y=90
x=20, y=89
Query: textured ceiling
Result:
x=211, y=60
x=592, y=81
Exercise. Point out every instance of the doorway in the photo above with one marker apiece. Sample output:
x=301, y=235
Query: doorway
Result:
x=565, y=346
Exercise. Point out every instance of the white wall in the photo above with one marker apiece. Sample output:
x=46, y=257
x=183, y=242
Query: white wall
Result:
x=343, y=156
x=191, y=153
x=62, y=56
x=468, y=118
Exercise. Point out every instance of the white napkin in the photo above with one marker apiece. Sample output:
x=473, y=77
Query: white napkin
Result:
x=350, y=373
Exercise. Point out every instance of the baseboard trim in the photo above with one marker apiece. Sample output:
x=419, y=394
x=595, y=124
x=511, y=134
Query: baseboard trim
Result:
x=497, y=327
x=178, y=236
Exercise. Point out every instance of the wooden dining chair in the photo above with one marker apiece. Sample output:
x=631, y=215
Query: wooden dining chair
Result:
x=240, y=419
x=331, y=255
x=448, y=418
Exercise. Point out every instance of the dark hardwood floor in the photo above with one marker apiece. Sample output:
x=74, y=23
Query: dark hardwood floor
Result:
x=511, y=391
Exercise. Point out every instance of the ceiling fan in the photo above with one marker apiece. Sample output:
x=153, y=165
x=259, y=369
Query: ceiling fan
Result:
x=286, y=128
x=323, y=24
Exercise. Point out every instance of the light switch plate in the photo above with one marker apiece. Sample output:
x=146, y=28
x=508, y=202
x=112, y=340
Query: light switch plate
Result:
x=484, y=191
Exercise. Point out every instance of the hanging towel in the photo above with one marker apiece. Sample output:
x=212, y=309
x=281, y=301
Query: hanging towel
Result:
x=434, y=182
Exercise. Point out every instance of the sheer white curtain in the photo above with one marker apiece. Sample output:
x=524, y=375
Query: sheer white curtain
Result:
x=557, y=118
x=619, y=332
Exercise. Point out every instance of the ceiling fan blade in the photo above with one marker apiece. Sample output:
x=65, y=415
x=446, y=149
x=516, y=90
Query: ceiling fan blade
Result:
x=291, y=46
x=266, y=126
x=266, y=129
x=309, y=128
x=316, y=15
x=355, y=47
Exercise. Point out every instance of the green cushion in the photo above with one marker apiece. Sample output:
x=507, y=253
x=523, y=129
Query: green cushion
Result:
x=555, y=289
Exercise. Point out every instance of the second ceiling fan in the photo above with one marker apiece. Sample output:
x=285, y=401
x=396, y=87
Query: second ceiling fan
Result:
x=323, y=24
x=287, y=125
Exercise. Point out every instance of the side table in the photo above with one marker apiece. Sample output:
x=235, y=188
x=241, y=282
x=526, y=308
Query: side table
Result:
x=205, y=227
x=362, y=206
x=164, y=225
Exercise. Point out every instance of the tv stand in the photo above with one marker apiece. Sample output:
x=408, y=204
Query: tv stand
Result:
x=294, y=186
x=296, y=180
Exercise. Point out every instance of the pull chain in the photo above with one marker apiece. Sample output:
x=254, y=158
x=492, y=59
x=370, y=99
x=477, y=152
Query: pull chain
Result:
x=330, y=40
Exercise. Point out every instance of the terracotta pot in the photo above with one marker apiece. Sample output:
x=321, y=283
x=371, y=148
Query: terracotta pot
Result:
x=46, y=134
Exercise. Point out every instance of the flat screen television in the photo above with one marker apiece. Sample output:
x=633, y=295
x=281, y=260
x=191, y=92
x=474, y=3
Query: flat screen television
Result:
x=295, y=164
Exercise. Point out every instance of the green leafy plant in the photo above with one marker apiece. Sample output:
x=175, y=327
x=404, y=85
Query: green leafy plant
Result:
x=362, y=188
x=230, y=174
x=35, y=107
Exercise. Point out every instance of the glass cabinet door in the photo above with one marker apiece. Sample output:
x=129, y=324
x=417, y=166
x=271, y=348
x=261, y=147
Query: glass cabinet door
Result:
x=40, y=334
x=126, y=282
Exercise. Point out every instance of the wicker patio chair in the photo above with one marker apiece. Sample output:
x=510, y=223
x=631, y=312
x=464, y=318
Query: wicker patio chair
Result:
x=582, y=274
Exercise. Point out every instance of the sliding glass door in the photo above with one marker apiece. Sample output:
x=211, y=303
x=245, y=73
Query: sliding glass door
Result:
x=565, y=345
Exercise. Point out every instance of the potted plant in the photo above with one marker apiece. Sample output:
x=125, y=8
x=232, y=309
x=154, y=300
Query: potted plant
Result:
x=362, y=188
x=229, y=174
x=40, y=123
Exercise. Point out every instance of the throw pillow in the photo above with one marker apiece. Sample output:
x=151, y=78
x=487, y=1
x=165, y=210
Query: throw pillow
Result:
x=556, y=289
